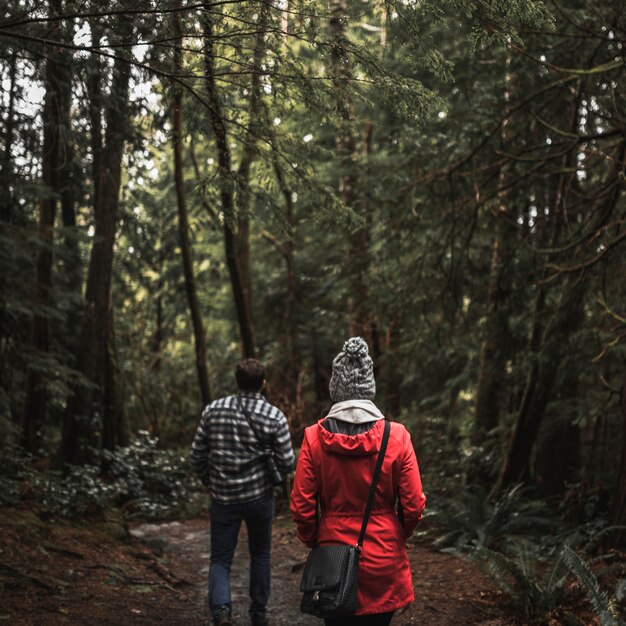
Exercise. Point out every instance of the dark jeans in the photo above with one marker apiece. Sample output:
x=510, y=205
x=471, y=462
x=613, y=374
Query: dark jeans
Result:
x=225, y=524
x=374, y=619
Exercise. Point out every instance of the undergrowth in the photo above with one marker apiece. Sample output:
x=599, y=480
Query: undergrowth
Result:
x=543, y=565
x=143, y=480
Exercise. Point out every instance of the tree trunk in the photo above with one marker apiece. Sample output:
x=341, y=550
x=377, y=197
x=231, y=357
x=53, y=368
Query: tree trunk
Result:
x=320, y=376
x=250, y=153
x=72, y=263
x=358, y=254
x=287, y=251
x=114, y=426
x=183, y=221
x=494, y=349
x=35, y=395
x=80, y=426
x=156, y=341
x=94, y=91
x=618, y=509
x=516, y=464
x=392, y=366
x=6, y=197
x=225, y=176
x=537, y=394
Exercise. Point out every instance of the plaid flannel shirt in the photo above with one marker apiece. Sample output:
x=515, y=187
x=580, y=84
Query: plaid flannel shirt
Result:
x=226, y=455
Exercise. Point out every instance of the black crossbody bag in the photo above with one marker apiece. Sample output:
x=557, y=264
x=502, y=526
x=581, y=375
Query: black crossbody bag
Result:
x=330, y=579
x=266, y=453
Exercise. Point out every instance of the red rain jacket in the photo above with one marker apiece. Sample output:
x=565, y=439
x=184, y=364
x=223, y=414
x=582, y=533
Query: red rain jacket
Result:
x=339, y=468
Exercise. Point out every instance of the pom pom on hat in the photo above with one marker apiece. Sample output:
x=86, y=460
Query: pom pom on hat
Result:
x=353, y=373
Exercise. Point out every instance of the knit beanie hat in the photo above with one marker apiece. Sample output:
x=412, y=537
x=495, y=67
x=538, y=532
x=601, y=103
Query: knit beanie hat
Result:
x=353, y=373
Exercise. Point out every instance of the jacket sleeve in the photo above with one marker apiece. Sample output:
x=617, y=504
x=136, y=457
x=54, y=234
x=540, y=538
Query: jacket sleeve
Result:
x=304, y=496
x=281, y=446
x=199, y=458
x=411, y=496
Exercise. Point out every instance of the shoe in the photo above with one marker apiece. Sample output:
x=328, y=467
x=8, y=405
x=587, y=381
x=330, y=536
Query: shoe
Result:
x=222, y=619
x=259, y=619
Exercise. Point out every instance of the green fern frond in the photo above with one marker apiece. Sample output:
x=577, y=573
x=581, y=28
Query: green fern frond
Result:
x=597, y=537
x=589, y=582
x=500, y=567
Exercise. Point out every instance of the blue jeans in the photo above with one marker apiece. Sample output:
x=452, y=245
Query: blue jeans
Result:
x=225, y=524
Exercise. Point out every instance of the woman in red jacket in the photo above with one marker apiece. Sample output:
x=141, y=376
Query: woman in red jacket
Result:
x=335, y=467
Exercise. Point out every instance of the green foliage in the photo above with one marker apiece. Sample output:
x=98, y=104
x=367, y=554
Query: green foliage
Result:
x=605, y=606
x=458, y=111
x=539, y=585
x=537, y=561
x=79, y=492
x=141, y=479
x=15, y=469
x=150, y=482
x=472, y=521
x=534, y=585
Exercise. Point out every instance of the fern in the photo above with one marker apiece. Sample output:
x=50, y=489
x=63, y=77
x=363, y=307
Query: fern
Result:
x=605, y=607
x=472, y=521
x=518, y=576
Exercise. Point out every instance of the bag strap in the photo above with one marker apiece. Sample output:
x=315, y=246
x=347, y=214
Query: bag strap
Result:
x=249, y=420
x=370, y=497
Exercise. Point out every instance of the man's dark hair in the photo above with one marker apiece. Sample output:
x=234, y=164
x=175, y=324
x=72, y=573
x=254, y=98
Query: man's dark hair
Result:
x=250, y=375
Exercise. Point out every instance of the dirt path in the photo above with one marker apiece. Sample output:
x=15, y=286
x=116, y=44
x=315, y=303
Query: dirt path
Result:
x=449, y=592
x=53, y=572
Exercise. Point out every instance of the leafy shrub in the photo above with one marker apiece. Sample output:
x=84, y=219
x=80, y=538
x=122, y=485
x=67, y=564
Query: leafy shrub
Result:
x=142, y=479
x=79, y=492
x=533, y=584
x=543, y=585
x=150, y=482
x=15, y=468
x=472, y=520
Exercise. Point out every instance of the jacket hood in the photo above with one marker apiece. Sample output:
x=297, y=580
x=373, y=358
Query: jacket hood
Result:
x=362, y=444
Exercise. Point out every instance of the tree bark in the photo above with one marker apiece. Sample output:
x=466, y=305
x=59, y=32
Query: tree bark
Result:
x=494, y=349
x=81, y=427
x=618, y=508
x=183, y=221
x=72, y=263
x=6, y=199
x=541, y=379
x=250, y=153
x=226, y=183
x=516, y=464
x=287, y=250
x=114, y=426
x=35, y=394
x=358, y=253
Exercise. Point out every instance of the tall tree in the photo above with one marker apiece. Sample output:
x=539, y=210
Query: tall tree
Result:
x=57, y=85
x=235, y=252
x=79, y=431
x=183, y=220
x=618, y=508
x=497, y=337
x=554, y=341
x=346, y=145
x=6, y=201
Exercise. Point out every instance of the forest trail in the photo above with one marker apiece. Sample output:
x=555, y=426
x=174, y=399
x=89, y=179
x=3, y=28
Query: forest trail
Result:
x=56, y=574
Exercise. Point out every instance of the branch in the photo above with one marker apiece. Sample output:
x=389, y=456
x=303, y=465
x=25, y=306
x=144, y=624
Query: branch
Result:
x=205, y=202
x=282, y=250
x=72, y=16
x=585, y=264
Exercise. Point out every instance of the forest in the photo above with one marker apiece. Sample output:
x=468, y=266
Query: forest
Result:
x=187, y=183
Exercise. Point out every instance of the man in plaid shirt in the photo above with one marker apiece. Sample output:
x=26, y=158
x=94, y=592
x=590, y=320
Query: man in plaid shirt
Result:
x=228, y=457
